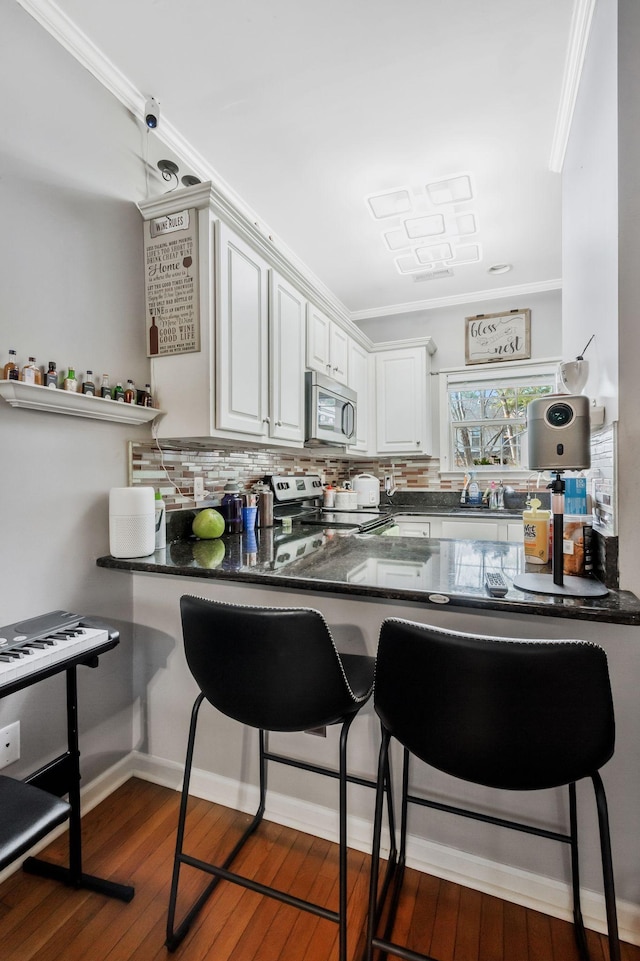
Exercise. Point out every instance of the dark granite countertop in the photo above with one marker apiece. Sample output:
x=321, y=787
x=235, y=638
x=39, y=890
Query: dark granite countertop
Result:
x=426, y=570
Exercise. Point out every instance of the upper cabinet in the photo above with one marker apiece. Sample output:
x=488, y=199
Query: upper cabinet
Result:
x=358, y=370
x=402, y=417
x=286, y=360
x=246, y=383
x=241, y=336
x=327, y=345
x=241, y=375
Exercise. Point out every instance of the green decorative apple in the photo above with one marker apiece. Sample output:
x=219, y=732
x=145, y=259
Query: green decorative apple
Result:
x=208, y=524
x=208, y=553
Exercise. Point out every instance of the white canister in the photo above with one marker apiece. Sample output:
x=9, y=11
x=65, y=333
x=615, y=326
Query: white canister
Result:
x=367, y=488
x=346, y=500
x=132, y=521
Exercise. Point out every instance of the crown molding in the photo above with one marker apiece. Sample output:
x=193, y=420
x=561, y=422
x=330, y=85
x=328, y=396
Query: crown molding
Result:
x=581, y=19
x=500, y=293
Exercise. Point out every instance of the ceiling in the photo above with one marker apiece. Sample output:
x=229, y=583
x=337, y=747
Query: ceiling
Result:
x=305, y=110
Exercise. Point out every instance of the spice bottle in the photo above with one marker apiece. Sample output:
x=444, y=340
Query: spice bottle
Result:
x=51, y=376
x=31, y=373
x=148, y=396
x=88, y=386
x=11, y=369
x=70, y=382
x=105, y=390
x=130, y=393
x=118, y=393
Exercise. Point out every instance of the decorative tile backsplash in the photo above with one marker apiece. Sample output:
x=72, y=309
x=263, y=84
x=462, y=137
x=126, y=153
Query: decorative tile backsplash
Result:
x=172, y=471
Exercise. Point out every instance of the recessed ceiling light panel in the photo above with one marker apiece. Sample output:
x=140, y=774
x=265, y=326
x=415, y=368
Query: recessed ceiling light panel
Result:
x=408, y=264
x=434, y=253
x=466, y=224
x=396, y=239
x=418, y=227
x=466, y=254
x=451, y=191
x=390, y=204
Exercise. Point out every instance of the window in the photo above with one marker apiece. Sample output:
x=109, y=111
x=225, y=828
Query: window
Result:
x=484, y=414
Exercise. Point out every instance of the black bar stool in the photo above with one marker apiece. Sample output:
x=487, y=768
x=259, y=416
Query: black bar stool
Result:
x=28, y=814
x=274, y=669
x=507, y=713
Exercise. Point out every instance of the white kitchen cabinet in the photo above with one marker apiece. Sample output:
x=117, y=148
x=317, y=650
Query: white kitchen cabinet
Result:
x=286, y=360
x=456, y=528
x=475, y=530
x=327, y=345
x=242, y=336
x=482, y=529
x=358, y=380
x=410, y=528
x=402, y=416
x=246, y=383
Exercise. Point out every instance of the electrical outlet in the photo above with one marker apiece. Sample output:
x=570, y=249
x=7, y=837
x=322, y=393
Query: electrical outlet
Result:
x=9, y=744
x=198, y=488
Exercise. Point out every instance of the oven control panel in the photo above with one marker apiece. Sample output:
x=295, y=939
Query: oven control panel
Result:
x=288, y=487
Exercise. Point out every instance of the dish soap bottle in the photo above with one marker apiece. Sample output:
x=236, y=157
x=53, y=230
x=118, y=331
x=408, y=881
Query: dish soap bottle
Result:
x=161, y=522
x=536, y=533
x=474, y=495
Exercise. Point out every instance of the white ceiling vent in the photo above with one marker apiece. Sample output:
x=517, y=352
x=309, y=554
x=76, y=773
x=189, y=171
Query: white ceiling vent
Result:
x=433, y=275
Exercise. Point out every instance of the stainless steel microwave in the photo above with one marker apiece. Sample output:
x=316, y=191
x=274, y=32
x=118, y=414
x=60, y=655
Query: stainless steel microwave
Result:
x=331, y=411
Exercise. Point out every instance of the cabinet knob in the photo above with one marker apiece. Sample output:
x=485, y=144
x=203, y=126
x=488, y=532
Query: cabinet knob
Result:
x=417, y=443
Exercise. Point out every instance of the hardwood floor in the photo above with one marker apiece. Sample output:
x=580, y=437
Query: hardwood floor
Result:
x=130, y=838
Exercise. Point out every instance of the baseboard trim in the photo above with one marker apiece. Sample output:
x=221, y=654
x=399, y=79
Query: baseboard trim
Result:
x=534, y=891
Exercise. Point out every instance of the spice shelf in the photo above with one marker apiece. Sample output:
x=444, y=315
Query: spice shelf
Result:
x=36, y=397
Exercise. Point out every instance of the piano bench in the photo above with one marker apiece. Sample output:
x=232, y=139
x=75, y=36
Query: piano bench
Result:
x=27, y=815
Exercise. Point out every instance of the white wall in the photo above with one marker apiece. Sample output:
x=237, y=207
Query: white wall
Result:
x=590, y=215
x=446, y=326
x=72, y=291
x=629, y=290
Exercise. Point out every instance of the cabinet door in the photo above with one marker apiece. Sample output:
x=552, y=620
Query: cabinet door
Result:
x=401, y=401
x=286, y=360
x=515, y=531
x=338, y=353
x=414, y=528
x=241, y=329
x=318, y=341
x=472, y=530
x=358, y=380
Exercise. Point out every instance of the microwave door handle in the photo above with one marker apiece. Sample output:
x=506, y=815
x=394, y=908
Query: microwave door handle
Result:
x=348, y=419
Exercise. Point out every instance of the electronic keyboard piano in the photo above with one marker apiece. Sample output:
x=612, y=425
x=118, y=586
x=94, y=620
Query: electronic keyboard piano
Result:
x=40, y=646
x=31, y=651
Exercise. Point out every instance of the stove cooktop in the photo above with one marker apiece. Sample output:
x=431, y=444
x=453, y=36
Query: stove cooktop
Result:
x=362, y=520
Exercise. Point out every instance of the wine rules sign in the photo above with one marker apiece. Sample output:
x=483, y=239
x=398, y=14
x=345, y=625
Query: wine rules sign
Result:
x=171, y=284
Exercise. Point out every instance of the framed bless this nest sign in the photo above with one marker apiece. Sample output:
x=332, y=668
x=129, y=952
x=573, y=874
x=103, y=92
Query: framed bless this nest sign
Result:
x=490, y=338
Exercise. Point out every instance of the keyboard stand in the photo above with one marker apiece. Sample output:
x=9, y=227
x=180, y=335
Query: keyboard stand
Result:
x=62, y=776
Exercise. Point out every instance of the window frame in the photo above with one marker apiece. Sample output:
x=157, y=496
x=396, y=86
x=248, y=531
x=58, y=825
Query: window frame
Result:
x=455, y=376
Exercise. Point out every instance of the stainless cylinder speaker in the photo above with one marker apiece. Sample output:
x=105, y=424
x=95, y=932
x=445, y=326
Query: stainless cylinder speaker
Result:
x=559, y=432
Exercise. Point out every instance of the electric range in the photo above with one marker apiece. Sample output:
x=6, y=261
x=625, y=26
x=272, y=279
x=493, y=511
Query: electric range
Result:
x=300, y=497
